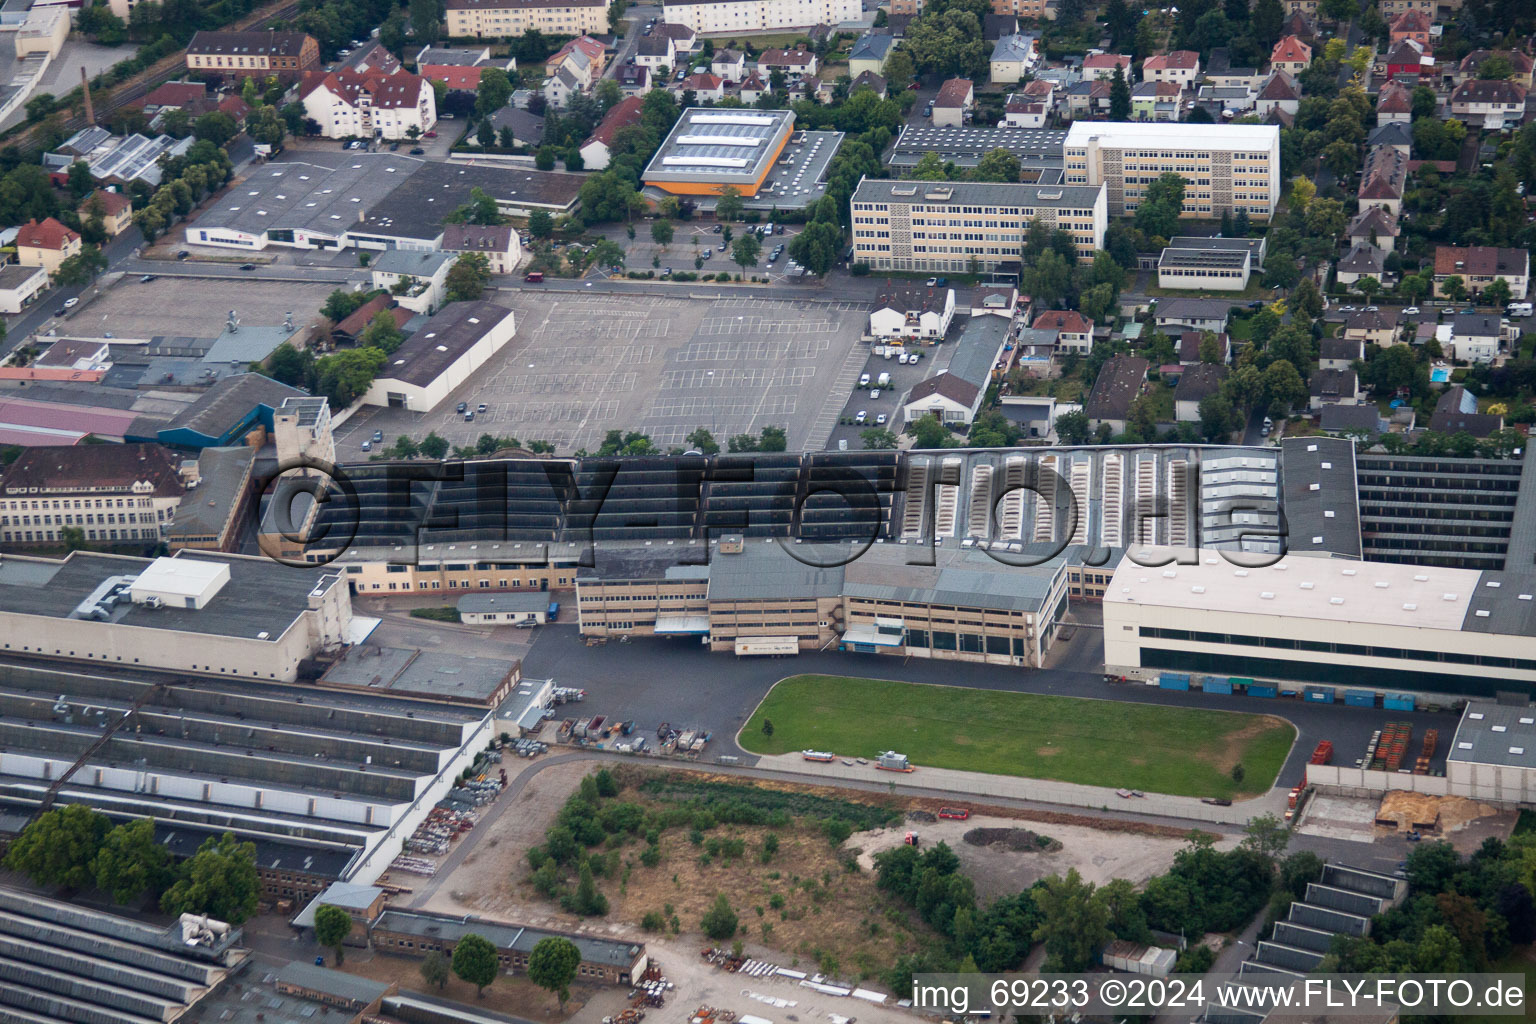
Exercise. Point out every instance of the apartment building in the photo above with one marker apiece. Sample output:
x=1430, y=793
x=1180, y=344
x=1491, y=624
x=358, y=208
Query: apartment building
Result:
x=1479, y=266
x=481, y=19
x=1225, y=167
x=349, y=103
x=110, y=493
x=1040, y=10
x=705, y=16
x=246, y=54
x=945, y=226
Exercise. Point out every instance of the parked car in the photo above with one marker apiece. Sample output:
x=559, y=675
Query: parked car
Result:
x=880, y=420
x=417, y=151
x=480, y=407
x=378, y=435
x=932, y=282
x=1411, y=311
x=147, y=278
x=861, y=417
x=719, y=228
x=367, y=446
x=469, y=416
x=183, y=254
x=431, y=135
x=461, y=407
x=71, y=303
x=874, y=395
x=247, y=266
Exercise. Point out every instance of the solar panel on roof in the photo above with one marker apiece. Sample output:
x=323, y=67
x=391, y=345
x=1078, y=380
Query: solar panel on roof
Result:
x=754, y=119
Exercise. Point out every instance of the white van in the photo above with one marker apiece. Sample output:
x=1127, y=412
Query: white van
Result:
x=1519, y=309
x=864, y=380
x=884, y=380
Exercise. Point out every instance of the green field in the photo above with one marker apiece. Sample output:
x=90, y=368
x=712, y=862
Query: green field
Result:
x=1183, y=751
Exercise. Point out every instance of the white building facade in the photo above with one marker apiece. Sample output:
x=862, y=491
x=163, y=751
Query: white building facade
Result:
x=759, y=15
x=1225, y=167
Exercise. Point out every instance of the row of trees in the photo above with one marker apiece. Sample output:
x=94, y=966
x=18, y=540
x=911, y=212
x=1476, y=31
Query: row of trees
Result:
x=76, y=847
x=619, y=442
x=188, y=179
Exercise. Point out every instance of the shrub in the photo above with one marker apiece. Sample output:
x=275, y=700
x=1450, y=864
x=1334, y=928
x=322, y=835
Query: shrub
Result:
x=720, y=922
x=650, y=856
x=653, y=921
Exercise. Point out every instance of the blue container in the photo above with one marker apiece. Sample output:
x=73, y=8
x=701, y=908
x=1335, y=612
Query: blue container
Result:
x=1173, y=681
x=1398, y=702
x=1218, y=684
x=1319, y=695
x=1360, y=698
x=1261, y=690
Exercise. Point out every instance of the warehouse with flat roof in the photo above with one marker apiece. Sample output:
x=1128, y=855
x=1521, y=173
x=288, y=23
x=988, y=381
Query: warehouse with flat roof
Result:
x=711, y=147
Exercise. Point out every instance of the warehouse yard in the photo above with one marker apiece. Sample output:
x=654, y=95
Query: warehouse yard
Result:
x=1173, y=750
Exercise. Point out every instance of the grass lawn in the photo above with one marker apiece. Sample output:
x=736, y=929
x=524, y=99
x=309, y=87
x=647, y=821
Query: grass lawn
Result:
x=1240, y=329
x=1254, y=291
x=1182, y=751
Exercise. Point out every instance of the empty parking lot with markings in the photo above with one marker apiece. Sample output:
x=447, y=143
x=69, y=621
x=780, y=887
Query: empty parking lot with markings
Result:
x=581, y=365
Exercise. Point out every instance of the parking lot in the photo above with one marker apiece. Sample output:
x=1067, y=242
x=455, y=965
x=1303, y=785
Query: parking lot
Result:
x=195, y=307
x=693, y=239
x=932, y=359
x=581, y=365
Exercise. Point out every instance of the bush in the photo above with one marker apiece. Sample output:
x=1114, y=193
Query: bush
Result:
x=436, y=614
x=653, y=921
x=650, y=856
x=836, y=830
x=720, y=922
x=859, y=270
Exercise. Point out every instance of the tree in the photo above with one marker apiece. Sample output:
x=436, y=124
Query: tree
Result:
x=80, y=181
x=1119, y=96
x=1097, y=303
x=82, y=267
x=1497, y=293
x=541, y=224
x=1157, y=214
x=767, y=727
x=1495, y=68
x=343, y=377
x=1341, y=158
x=899, y=68
x=997, y=165
x=773, y=440
x=267, y=125
x=485, y=135
x=1267, y=836
x=332, y=926
x=341, y=304
x=1281, y=272
x=738, y=443
x=1048, y=280
x=481, y=209
x=719, y=922
x=930, y=167
x=216, y=127
x=1339, y=10
x=219, y=880
x=1074, y=924
x=1072, y=427
x=702, y=440
x=1217, y=417
x=434, y=970
x=728, y=207
x=475, y=961
x=552, y=965
x=60, y=847
x=1306, y=300
x=493, y=92
x=434, y=446
x=468, y=277
x=746, y=250
x=1454, y=288
x=930, y=432
x=877, y=439
x=130, y=862
x=661, y=232
x=815, y=248
x=382, y=333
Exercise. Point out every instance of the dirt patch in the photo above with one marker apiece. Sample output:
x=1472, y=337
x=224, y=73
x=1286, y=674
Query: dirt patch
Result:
x=1440, y=813
x=510, y=994
x=922, y=816
x=1016, y=839
x=1047, y=751
x=1233, y=743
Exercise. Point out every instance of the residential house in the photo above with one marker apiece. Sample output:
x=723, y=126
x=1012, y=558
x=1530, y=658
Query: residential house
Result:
x=655, y=51
x=1397, y=134
x=1013, y=57
x=1196, y=383
x=1280, y=92
x=994, y=26
x=350, y=329
x=869, y=53
x=813, y=87
x=868, y=80
x=1193, y=314
x=597, y=150
x=1456, y=412
x=1339, y=353
x=912, y=311
x=20, y=286
x=955, y=100
x=1118, y=385
x=1405, y=60
x=1478, y=266
x=956, y=393
x=417, y=278
x=1290, y=55
x=1413, y=25
x=1374, y=327
x=1362, y=261
x=527, y=128
x=1519, y=62
x=1022, y=112
x=561, y=86
x=253, y=54
x=1220, y=71
x=593, y=57
x=684, y=38
x=1383, y=176
x=115, y=209
x=1363, y=420
x=1488, y=104
x=1475, y=337
x=499, y=244
x=753, y=88
x=634, y=80
x=994, y=300
x=1102, y=65
x=1074, y=332
x=706, y=88
x=791, y=62
x=1156, y=101
x=1298, y=24
x=1182, y=67
x=458, y=67
x=1394, y=104
x=729, y=65
x=1190, y=342
x=1341, y=387
x=508, y=19
x=1218, y=100
x=1373, y=226
x=946, y=395
x=350, y=104
x=1087, y=98
x=46, y=244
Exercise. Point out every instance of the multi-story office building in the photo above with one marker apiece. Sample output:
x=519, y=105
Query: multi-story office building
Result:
x=108, y=492
x=494, y=18
x=1225, y=167
x=758, y=15
x=931, y=225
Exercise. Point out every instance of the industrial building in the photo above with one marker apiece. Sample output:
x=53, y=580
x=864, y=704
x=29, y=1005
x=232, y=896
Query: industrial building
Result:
x=417, y=933
x=1234, y=167
x=107, y=492
x=709, y=149
x=206, y=613
x=442, y=355
x=1038, y=150
x=326, y=784
x=934, y=226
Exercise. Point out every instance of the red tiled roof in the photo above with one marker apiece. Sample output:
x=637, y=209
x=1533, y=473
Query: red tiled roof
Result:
x=1280, y=86
x=1411, y=21
x=1290, y=49
x=49, y=234
x=386, y=92
x=1180, y=60
x=175, y=94
x=754, y=81
x=1107, y=61
x=1394, y=99
x=953, y=93
x=623, y=114
x=1480, y=91
x=1481, y=261
x=1063, y=320
x=1039, y=88
x=112, y=203
x=589, y=47
x=95, y=466
x=1520, y=62
x=785, y=58
x=702, y=82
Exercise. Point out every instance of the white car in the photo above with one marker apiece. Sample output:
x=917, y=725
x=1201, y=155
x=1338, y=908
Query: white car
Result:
x=933, y=282
x=861, y=417
x=1411, y=311
x=874, y=395
x=880, y=420
x=71, y=303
